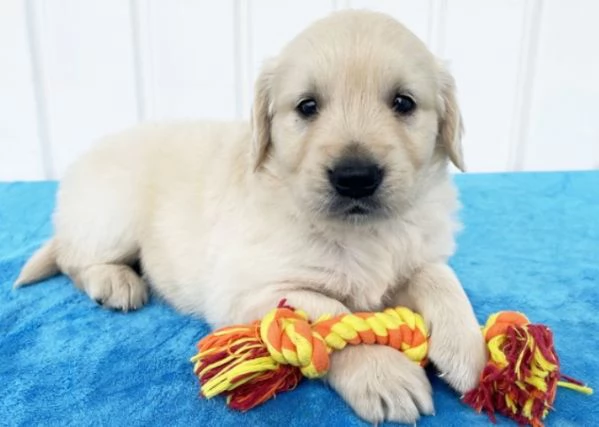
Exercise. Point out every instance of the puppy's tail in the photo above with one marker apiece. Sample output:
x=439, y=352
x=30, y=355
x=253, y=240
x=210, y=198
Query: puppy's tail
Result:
x=41, y=265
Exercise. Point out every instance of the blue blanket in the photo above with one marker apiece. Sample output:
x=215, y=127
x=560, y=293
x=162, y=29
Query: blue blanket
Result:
x=531, y=243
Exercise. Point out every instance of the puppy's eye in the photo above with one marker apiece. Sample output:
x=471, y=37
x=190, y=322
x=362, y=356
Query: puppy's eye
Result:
x=307, y=108
x=403, y=104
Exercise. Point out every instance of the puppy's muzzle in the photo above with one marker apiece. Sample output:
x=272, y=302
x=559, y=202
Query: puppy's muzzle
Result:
x=356, y=178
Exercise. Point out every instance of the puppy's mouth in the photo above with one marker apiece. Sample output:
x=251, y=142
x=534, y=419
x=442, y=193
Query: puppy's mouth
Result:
x=357, y=210
x=351, y=209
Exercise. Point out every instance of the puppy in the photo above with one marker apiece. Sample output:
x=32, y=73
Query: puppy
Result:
x=336, y=197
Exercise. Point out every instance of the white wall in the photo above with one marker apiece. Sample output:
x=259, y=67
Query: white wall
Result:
x=73, y=70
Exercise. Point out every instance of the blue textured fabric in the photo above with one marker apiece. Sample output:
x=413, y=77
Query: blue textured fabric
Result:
x=531, y=243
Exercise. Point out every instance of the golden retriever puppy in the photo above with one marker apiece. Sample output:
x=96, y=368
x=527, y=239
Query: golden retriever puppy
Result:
x=336, y=197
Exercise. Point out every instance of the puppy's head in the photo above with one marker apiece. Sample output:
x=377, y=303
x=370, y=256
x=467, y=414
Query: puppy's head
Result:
x=353, y=115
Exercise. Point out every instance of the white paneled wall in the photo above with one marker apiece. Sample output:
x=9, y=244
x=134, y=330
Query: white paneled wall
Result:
x=74, y=70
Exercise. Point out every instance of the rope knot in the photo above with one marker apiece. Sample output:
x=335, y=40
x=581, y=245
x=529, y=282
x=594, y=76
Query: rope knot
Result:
x=291, y=340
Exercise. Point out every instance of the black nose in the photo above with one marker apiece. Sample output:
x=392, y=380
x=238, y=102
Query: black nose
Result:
x=356, y=178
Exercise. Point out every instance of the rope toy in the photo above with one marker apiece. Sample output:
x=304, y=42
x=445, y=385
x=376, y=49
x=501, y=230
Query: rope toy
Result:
x=251, y=363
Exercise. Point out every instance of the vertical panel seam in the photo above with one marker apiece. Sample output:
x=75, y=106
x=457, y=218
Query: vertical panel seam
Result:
x=527, y=67
x=437, y=26
x=340, y=4
x=138, y=75
x=242, y=54
x=41, y=109
x=237, y=59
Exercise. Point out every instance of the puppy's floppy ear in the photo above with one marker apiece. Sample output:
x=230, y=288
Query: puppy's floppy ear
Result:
x=261, y=116
x=451, y=128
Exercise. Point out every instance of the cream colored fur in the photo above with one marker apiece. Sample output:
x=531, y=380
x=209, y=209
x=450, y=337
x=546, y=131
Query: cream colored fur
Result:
x=229, y=218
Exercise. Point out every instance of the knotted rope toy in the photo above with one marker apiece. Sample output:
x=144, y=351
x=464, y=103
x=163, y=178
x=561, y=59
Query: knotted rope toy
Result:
x=251, y=363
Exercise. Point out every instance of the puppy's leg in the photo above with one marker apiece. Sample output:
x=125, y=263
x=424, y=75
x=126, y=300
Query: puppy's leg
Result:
x=378, y=382
x=100, y=265
x=457, y=347
x=98, y=226
x=104, y=272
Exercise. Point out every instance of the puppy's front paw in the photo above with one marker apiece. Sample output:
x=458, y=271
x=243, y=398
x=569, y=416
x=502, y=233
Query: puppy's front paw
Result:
x=459, y=353
x=380, y=384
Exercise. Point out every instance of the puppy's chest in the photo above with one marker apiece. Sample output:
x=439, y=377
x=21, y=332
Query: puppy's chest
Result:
x=362, y=273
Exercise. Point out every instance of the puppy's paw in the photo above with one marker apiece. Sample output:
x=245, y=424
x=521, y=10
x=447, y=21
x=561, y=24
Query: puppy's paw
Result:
x=115, y=286
x=380, y=383
x=459, y=353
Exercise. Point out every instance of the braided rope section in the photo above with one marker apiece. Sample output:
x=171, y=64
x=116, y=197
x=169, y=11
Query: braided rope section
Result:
x=251, y=363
